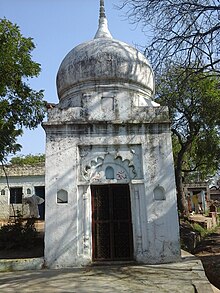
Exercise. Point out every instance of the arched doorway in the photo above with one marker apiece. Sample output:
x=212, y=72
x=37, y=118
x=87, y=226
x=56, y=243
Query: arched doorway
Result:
x=112, y=237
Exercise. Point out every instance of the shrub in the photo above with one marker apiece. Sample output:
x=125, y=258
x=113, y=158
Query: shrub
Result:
x=17, y=234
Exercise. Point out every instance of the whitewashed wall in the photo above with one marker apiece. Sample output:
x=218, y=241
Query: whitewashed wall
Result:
x=72, y=147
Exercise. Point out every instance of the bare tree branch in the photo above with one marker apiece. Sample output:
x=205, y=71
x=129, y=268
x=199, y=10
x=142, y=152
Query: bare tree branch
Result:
x=187, y=32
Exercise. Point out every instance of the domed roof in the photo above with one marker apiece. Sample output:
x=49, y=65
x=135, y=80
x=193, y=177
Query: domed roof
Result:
x=104, y=61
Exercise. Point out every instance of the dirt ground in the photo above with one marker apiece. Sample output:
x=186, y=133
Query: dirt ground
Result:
x=208, y=251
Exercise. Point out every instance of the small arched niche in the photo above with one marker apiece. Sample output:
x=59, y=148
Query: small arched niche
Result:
x=2, y=192
x=62, y=196
x=109, y=173
x=159, y=193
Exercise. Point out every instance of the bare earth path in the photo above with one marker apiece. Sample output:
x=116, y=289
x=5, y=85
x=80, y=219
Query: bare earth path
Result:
x=208, y=252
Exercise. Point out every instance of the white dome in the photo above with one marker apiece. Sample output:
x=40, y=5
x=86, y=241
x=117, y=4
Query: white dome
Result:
x=104, y=61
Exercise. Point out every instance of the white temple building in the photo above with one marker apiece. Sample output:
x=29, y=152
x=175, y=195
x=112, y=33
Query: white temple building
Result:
x=110, y=187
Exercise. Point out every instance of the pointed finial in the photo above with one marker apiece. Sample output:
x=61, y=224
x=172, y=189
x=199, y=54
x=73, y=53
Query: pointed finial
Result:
x=103, y=31
x=102, y=9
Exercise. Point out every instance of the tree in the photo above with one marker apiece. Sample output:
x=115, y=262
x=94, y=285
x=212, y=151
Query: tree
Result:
x=186, y=32
x=194, y=104
x=20, y=106
x=28, y=160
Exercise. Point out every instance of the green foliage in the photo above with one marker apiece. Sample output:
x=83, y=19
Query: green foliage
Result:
x=20, y=106
x=191, y=235
x=193, y=100
x=198, y=228
x=28, y=160
x=17, y=234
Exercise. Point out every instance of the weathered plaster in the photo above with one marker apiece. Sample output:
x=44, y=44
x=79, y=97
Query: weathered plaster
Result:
x=77, y=156
x=106, y=61
x=107, y=129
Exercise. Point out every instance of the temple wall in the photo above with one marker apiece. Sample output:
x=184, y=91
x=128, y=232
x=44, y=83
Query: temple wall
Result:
x=76, y=158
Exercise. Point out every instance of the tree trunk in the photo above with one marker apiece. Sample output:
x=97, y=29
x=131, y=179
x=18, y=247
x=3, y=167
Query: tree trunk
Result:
x=181, y=200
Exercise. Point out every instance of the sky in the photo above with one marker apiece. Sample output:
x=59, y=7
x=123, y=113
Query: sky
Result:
x=57, y=26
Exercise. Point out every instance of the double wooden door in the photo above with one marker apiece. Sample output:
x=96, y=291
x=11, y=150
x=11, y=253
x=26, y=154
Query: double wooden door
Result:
x=112, y=236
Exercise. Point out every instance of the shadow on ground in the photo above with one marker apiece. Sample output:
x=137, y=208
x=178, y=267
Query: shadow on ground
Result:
x=208, y=251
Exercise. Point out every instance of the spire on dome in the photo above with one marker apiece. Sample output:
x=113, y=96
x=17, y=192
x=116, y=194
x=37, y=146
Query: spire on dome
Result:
x=103, y=31
x=102, y=9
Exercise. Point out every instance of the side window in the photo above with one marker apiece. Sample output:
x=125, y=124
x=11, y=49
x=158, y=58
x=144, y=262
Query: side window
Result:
x=159, y=193
x=62, y=196
x=16, y=195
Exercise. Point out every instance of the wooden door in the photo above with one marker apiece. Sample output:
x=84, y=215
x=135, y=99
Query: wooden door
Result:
x=111, y=222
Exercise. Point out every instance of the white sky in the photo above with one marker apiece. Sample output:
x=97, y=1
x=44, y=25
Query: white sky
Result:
x=57, y=26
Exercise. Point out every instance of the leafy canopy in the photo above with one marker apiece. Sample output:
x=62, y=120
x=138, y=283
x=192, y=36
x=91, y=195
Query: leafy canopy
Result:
x=193, y=99
x=28, y=160
x=20, y=105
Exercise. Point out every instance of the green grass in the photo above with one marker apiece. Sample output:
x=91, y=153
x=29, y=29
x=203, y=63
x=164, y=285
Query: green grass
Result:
x=202, y=231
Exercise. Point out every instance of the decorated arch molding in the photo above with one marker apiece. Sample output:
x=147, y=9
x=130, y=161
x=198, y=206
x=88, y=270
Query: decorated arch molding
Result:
x=109, y=167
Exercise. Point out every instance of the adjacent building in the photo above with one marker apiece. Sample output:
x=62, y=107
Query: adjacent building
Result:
x=215, y=194
x=198, y=196
x=18, y=182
